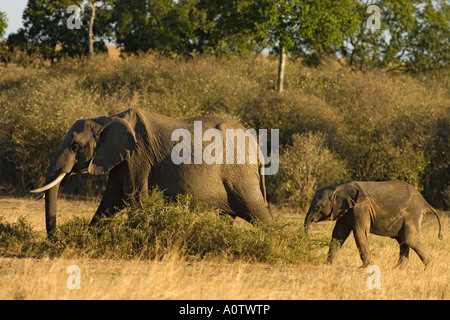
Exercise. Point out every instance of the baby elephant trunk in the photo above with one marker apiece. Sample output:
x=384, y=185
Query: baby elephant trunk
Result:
x=308, y=221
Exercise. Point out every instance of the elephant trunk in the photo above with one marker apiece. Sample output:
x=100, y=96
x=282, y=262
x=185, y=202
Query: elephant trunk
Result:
x=51, y=189
x=61, y=165
x=308, y=221
x=51, y=197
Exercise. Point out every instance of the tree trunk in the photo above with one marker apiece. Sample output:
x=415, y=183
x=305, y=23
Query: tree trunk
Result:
x=91, y=27
x=281, y=68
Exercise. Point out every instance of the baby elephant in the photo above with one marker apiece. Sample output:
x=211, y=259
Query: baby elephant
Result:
x=386, y=208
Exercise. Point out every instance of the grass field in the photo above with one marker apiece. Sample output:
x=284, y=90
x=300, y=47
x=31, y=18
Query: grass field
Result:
x=175, y=277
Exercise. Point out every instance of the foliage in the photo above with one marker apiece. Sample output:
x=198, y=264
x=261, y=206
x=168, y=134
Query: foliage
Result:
x=155, y=228
x=325, y=25
x=430, y=45
x=45, y=27
x=138, y=19
x=306, y=166
x=3, y=23
x=374, y=126
x=17, y=238
x=413, y=36
x=183, y=27
x=231, y=27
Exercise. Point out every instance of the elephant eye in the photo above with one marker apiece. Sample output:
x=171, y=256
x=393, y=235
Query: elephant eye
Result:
x=74, y=147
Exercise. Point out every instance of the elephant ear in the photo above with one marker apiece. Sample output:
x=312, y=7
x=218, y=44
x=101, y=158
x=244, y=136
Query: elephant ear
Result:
x=343, y=199
x=116, y=144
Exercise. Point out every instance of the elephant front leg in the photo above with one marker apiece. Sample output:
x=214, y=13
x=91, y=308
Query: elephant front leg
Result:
x=341, y=232
x=362, y=242
x=112, y=201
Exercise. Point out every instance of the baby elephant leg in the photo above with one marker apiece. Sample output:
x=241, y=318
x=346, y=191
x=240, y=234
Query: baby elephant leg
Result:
x=411, y=235
x=341, y=232
x=362, y=242
x=404, y=253
x=424, y=255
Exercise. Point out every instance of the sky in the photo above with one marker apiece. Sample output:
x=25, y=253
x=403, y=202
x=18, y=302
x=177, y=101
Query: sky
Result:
x=14, y=10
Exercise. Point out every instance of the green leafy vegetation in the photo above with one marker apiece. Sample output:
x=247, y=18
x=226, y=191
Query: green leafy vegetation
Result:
x=155, y=228
x=345, y=124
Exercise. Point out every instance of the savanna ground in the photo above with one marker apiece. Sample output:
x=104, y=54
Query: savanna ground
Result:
x=175, y=276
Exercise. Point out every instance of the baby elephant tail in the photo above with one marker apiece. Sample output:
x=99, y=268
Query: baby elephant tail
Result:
x=438, y=219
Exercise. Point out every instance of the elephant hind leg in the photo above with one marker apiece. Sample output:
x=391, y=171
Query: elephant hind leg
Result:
x=404, y=248
x=253, y=210
x=247, y=204
x=412, y=240
x=424, y=255
x=404, y=253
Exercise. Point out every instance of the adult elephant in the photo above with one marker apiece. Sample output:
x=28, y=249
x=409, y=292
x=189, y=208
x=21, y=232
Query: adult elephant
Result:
x=135, y=148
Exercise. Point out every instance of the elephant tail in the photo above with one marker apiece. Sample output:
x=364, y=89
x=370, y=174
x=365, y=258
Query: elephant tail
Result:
x=439, y=221
x=262, y=181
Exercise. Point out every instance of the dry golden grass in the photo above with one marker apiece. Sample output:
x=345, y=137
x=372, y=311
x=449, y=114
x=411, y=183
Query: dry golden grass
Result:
x=114, y=52
x=176, y=278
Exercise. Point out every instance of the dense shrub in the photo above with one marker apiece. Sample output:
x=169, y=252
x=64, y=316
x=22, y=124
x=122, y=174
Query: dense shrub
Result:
x=305, y=167
x=17, y=238
x=375, y=125
x=156, y=228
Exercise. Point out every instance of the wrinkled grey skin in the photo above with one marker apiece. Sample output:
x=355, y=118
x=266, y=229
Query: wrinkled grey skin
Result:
x=386, y=208
x=134, y=148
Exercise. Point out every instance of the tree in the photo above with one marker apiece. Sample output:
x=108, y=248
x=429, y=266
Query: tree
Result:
x=92, y=4
x=430, y=40
x=361, y=46
x=3, y=23
x=45, y=27
x=165, y=26
x=413, y=35
x=277, y=22
x=139, y=24
x=325, y=26
x=229, y=27
x=103, y=13
x=305, y=27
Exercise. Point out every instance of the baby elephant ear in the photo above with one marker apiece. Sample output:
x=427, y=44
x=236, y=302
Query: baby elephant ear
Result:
x=116, y=144
x=343, y=199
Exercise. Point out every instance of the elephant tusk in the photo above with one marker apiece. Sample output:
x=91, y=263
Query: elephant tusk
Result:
x=49, y=185
x=39, y=197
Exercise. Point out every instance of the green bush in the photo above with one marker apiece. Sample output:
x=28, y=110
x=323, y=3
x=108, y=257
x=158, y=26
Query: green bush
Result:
x=156, y=228
x=18, y=238
x=306, y=166
x=383, y=126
